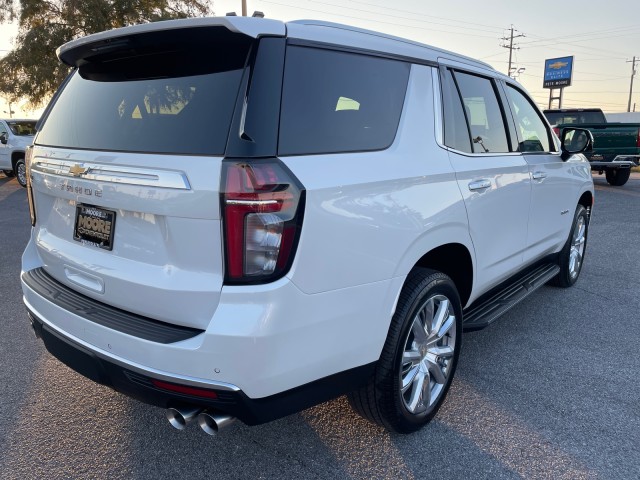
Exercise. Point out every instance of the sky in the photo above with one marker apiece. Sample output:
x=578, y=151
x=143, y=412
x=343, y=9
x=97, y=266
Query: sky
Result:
x=602, y=36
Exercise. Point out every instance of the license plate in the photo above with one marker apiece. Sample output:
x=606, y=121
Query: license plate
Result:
x=95, y=226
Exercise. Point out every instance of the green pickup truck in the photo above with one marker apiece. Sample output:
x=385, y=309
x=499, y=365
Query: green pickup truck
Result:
x=616, y=146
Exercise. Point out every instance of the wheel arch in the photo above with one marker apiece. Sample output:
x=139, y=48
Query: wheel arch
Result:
x=586, y=200
x=15, y=156
x=455, y=261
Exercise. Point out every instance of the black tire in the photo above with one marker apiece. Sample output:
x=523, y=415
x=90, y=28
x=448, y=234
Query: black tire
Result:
x=383, y=400
x=617, y=177
x=21, y=172
x=9, y=173
x=569, y=272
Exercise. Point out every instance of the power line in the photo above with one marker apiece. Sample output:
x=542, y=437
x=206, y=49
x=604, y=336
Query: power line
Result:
x=573, y=45
x=376, y=21
x=589, y=34
x=403, y=17
x=413, y=12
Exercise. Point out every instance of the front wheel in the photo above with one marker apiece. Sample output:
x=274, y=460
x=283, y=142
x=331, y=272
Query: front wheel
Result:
x=617, y=177
x=21, y=172
x=571, y=256
x=419, y=357
x=8, y=173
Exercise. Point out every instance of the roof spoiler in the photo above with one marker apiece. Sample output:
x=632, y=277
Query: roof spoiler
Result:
x=77, y=52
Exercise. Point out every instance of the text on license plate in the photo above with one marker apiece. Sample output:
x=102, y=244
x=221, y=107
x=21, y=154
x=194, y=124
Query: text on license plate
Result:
x=94, y=225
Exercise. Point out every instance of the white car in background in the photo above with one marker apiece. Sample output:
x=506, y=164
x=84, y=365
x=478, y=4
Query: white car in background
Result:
x=15, y=136
x=241, y=218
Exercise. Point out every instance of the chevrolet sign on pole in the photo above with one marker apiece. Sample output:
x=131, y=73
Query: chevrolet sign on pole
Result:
x=558, y=72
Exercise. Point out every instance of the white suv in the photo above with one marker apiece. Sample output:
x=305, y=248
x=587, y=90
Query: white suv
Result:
x=15, y=136
x=241, y=218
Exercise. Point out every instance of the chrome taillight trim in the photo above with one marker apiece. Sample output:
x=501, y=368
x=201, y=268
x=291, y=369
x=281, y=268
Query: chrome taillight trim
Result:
x=251, y=203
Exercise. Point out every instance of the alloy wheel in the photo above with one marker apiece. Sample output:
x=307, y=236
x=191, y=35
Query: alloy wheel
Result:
x=578, y=240
x=21, y=173
x=428, y=354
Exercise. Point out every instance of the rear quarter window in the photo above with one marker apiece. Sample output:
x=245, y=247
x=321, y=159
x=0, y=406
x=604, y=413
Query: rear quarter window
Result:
x=339, y=102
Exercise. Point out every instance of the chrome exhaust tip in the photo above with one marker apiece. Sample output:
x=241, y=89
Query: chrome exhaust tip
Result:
x=179, y=418
x=211, y=423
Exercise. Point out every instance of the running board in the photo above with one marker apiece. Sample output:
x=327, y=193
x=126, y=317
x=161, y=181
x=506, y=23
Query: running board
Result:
x=481, y=315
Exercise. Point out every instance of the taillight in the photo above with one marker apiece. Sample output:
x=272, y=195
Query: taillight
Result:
x=262, y=206
x=638, y=140
x=557, y=131
x=28, y=156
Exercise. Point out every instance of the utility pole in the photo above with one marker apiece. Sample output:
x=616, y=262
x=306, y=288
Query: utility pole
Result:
x=633, y=74
x=244, y=8
x=510, y=46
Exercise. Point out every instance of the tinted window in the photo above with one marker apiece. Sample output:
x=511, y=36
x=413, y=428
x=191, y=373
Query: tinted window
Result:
x=456, y=131
x=339, y=102
x=22, y=127
x=189, y=115
x=485, y=119
x=558, y=118
x=532, y=131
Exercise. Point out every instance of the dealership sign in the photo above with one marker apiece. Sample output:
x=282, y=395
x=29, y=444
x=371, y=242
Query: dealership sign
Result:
x=558, y=72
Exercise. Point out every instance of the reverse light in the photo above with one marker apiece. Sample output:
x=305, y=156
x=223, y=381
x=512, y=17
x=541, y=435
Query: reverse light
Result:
x=262, y=207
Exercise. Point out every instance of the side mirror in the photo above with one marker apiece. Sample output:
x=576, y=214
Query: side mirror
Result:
x=575, y=140
x=3, y=138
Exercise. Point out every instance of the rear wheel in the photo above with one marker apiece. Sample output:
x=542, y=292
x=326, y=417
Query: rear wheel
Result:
x=617, y=176
x=571, y=256
x=21, y=172
x=419, y=357
x=8, y=173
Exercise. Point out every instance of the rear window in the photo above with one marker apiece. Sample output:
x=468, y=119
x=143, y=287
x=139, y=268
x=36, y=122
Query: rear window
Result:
x=559, y=118
x=179, y=100
x=339, y=102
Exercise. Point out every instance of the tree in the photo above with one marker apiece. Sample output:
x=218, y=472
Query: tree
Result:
x=32, y=71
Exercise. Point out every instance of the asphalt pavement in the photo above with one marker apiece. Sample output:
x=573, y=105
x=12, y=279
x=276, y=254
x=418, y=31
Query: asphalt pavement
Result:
x=551, y=390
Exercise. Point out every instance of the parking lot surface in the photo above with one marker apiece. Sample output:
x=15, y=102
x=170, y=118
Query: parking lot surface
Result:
x=551, y=390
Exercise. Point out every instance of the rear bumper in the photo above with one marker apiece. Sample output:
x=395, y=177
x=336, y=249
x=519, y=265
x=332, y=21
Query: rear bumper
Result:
x=138, y=383
x=267, y=352
x=620, y=161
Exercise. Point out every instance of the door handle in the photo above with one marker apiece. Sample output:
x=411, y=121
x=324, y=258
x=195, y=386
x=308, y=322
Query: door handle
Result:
x=479, y=184
x=539, y=175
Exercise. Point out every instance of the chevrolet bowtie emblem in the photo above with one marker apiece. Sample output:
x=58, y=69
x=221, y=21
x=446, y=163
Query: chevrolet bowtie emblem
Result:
x=77, y=170
x=558, y=65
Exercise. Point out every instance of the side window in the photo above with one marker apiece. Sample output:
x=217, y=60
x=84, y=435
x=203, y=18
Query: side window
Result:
x=339, y=102
x=456, y=131
x=532, y=131
x=483, y=113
